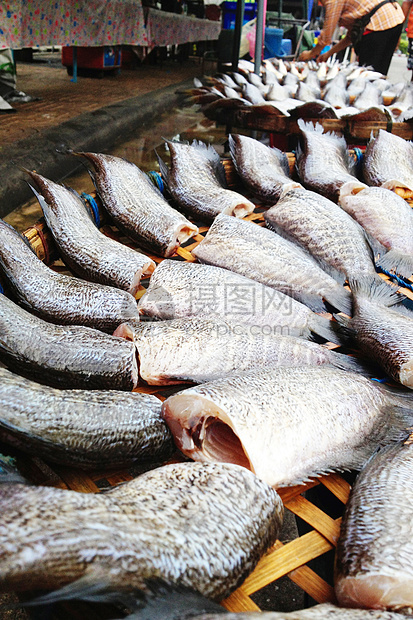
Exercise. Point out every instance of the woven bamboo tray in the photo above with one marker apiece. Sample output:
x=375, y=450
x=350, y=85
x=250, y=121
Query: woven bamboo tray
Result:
x=289, y=559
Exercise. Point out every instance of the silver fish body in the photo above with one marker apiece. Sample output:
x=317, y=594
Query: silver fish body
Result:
x=68, y=356
x=337, y=96
x=196, y=180
x=387, y=218
x=383, y=333
x=81, y=428
x=56, y=297
x=166, y=523
x=260, y=254
x=388, y=161
x=403, y=102
x=324, y=164
x=137, y=207
x=201, y=349
x=180, y=289
x=264, y=170
x=373, y=558
x=319, y=226
x=368, y=98
x=83, y=247
x=289, y=424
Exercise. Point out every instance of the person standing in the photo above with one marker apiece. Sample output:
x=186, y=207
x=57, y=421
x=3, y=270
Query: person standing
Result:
x=380, y=37
x=406, y=8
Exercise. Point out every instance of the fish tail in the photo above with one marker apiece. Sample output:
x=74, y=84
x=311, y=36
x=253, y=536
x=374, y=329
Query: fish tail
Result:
x=163, y=168
x=309, y=126
x=375, y=289
x=9, y=474
x=324, y=327
x=340, y=298
x=400, y=413
x=397, y=261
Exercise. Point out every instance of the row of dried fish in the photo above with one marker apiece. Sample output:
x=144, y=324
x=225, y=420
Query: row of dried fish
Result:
x=342, y=90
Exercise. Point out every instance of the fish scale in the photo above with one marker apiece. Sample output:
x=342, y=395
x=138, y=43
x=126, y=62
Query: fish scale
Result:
x=387, y=161
x=165, y=523
x=137, y=207
x=57, y=297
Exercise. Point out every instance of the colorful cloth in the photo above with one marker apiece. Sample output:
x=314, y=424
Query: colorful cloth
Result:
x=171, y=29
x=32, y=23
x=344, y=12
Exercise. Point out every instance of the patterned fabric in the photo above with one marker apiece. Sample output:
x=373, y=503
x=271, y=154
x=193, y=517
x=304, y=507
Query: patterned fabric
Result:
x=344, y=12
x=31, y=23
x=171, y=29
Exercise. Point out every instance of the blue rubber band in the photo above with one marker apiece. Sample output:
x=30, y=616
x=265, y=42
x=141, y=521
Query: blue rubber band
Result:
x=156, y=179
x=1, y=290
x=384, y=380
x=93, y=205
x=398, y=279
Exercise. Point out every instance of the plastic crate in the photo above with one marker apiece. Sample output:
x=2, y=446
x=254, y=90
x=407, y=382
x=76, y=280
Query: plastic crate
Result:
x=229, y=11
x=107, y=57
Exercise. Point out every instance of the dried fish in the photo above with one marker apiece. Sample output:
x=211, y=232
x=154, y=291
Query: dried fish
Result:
x=196, y=180
x=387, y=218
x=87, y=251
x=82, y=428
x=290, y=424
x=179, y=289
x=323, y=163
x=68, y=356
x=264, y=170
x=57, y=297
x=373, y=560
x=165, y=523
x=264, y=256
x=330, y=235
x=137, y=207
x=169, y=351
x=388, y=162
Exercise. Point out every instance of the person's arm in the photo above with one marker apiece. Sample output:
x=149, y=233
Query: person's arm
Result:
x=333, y=10
x=341, y=45
x=406, y=6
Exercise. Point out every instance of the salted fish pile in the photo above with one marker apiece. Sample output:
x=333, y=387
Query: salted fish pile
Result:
x=305, y=90
x=265, y=399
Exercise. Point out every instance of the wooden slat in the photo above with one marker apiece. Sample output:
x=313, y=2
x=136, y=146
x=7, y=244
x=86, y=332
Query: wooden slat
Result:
x=315, y=517
x=279, y=562
x=313, y=584
x=239, y=601
x=338, y=486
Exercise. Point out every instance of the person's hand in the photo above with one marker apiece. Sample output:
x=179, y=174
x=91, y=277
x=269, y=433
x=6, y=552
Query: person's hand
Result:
x=323, y=57
x=305, y=55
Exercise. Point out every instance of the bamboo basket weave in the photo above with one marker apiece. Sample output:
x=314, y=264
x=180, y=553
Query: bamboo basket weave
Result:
x=289, y=559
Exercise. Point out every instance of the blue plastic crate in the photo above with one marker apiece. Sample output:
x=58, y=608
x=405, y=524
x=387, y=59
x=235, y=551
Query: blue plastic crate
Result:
x=229, y=11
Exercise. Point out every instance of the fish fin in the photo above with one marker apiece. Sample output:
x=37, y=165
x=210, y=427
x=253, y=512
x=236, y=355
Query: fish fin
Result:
x=344, y=328
x=213, y=158
x=353, y=364
x=324, y=327
x=309, y=126
x=398, y=262
x=167, y=601
x=164, y=169
x=340, y=298
x=9, y=474
x=375, y=289
x=283, y=160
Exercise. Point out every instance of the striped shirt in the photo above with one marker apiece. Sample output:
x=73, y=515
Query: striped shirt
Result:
x=344, y=12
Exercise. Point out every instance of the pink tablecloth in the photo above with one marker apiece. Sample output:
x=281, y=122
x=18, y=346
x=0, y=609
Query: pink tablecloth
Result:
x=31, y=23
x=172, y=29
